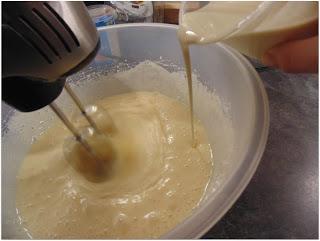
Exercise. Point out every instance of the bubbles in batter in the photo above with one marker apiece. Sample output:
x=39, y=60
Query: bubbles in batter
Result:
x=156, y=177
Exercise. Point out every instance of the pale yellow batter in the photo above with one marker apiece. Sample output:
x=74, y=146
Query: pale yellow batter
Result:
x=156, y=180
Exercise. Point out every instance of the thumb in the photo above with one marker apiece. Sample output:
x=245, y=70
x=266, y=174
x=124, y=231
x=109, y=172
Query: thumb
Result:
x=300, y=56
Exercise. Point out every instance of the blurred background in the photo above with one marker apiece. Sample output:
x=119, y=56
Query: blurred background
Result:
x=106, y=13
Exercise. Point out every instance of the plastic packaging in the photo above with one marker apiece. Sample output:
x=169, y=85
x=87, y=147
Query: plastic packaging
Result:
x=102, y=15
x=137, y=11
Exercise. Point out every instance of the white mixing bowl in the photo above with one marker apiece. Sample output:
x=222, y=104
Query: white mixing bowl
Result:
x=221, y=69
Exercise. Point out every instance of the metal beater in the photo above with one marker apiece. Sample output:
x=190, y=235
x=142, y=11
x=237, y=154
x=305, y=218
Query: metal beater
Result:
x=44, y=43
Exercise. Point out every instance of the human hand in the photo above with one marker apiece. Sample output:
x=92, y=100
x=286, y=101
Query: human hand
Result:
x=299, y=56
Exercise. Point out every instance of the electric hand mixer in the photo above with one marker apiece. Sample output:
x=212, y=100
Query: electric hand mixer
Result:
x=43, y=43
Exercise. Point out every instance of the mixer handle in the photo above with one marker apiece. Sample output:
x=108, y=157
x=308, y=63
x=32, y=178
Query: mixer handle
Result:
x=29, y=94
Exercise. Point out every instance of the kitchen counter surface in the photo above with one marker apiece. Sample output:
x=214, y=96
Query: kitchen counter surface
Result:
x=281, y=201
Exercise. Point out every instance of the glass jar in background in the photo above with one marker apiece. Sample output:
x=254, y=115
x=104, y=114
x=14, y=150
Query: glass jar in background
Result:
x=158, y=11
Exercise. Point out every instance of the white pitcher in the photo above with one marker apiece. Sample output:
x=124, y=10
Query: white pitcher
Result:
x=250, y=27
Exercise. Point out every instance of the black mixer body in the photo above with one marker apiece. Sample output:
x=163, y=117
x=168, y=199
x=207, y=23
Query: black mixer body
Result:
x=42, y=44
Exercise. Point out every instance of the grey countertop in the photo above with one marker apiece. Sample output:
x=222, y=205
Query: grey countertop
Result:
x=281, y=201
